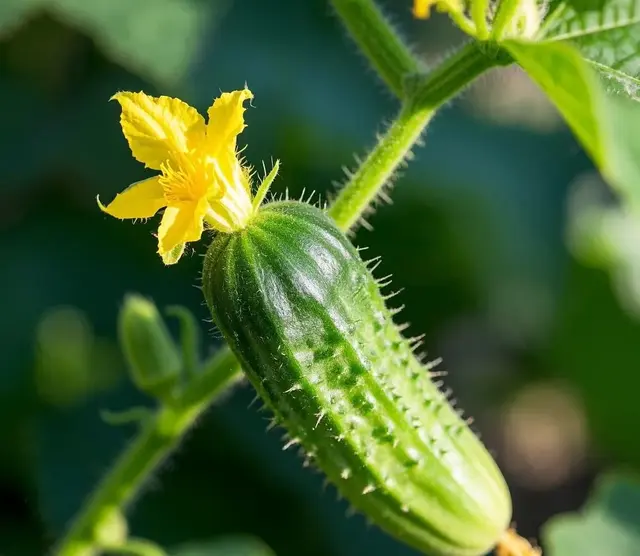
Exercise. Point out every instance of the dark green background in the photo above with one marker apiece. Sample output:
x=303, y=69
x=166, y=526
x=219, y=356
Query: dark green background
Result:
x=476, y=237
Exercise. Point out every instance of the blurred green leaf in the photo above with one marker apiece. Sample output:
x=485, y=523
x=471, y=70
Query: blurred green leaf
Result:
x=71, y=363
x=607, y=126
x=14, y=12
x=155, y=38
x=622, y=145
x=607, y=525
x=603, y=372
x=232, y=546
x=606, y=34
x=607, y=236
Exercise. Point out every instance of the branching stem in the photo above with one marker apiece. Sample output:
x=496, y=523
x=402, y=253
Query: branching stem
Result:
x=424, y=95
x=94, y=527
x=378, y=41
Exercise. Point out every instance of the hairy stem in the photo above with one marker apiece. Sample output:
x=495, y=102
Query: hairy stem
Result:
x=158, y=436
x=424, y=96
x=365, y=184
x=378, y=41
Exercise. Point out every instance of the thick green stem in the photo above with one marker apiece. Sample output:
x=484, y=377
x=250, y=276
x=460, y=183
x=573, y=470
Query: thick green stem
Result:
x=425, y=95
x=378, y=41
x=453, y=75
x=158, y=436
x=365, y=185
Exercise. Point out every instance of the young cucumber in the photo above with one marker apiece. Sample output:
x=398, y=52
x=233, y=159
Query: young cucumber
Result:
x=306, y=319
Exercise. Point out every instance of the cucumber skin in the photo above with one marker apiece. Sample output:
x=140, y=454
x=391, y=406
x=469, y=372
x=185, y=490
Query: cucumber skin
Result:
x=304, y=316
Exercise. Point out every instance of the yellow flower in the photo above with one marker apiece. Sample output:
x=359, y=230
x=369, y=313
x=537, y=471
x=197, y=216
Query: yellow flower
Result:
x=422, y=8
x=201, y=180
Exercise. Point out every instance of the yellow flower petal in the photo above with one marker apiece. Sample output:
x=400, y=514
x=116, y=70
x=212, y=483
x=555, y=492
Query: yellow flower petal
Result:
x=226, y=120
x=173, y=256
x=140, y=200
x=422, y=8
x=158, y=127
x=180, y=224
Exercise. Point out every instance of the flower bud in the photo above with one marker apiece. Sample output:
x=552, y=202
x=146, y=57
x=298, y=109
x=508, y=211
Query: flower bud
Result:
x=152, y=355
x=111, y=527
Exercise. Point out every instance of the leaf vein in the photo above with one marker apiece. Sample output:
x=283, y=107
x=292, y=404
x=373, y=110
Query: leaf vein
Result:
x=585, y=32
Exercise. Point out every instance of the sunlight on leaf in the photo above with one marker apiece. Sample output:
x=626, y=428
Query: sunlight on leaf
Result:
x=607, y=34
x=561, y=74
x=608, y=126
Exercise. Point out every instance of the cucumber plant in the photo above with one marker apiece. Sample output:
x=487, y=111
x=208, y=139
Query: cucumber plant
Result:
x=301, y=312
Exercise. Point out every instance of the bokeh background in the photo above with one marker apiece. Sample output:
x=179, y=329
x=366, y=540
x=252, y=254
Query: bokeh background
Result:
x=515, y=261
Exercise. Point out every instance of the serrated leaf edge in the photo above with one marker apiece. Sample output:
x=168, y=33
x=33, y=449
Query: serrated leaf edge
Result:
x=586, y=31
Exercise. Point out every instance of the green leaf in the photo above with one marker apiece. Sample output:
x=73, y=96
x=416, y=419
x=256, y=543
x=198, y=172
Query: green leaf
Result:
x=561, y=73
x=157, y=39
x=231, y=546
x=607, y=525
x=608, y=126
x=14, y=12
x=606, y=33
x=622, y=122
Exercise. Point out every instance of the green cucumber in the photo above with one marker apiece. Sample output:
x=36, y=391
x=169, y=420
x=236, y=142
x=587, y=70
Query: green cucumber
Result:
x=307, y=321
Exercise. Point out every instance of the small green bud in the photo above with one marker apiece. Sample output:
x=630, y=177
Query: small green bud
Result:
x=153, y=357
x=111, y=527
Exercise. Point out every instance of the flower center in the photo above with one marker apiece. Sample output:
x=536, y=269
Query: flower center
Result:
x=220, y=180
x=185, y=180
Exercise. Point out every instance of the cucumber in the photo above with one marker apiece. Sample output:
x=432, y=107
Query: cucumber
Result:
x=307, y=321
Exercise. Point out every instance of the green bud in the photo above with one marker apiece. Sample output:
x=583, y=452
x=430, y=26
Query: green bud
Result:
x=153, y=357
x=111, y=527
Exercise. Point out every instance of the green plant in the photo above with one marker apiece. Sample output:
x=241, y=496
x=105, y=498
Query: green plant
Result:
x=567, y=50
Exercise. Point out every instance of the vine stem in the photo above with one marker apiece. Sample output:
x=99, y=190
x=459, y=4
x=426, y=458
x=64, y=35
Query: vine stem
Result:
x=159, y=435
x=425, y=95
x=100, y=524
x=379, y=42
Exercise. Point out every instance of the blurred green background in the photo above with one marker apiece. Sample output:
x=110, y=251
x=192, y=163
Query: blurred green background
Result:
x=514, y=260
